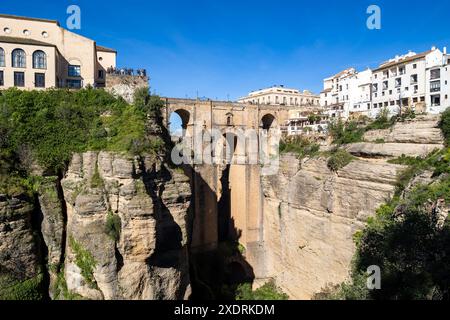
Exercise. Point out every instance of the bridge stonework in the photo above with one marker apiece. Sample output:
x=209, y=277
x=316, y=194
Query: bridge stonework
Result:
x=237, y=190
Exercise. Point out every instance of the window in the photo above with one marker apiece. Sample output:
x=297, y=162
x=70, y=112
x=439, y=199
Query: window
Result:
x=45, y=34
x=39, y=60
x=414, y=79
x=375, y=87
x=73, y=84
x=1, y=79
x=435, y=74
x=436, y=100
x=101, y=74
x=415, y=100
x=74, y=71
x=19, y=79
x=19, y=59
x=402, y=70
x=435, y=86
x=2, y=57
x=398, y=82
x=392, y=103
x=414, y=66
x=393, y=72
x=39, y=80
x=385, y=85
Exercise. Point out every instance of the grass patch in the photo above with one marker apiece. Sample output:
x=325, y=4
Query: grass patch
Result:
x=31, y=289
x=85, y=261
x=60, y=290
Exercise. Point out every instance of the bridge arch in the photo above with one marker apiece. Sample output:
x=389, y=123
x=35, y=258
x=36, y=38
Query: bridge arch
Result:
x=268, y=122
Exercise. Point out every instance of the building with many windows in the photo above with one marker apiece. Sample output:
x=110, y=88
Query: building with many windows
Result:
x=279, y=95
x=346, y=92
x=39, y=53
x=412, y=81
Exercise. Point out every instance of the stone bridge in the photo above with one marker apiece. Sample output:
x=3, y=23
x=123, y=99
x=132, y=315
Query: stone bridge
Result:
x=228, y=202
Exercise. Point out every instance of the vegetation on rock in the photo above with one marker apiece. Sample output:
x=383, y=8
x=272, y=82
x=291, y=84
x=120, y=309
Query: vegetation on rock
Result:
x=85, y=261
x=268, y=291
x=301, y=146
x=339, y=159
x=30, y=289
x=45, y=128
x=409, y=237
x=113, y=226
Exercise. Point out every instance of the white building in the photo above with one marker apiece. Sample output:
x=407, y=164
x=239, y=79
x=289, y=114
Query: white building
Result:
x=347, y=92
x=416, y=81
x=279, y=95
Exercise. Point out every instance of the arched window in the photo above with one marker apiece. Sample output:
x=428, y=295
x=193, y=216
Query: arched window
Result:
x=19, y=59
x=39, y=60
x=2, y=57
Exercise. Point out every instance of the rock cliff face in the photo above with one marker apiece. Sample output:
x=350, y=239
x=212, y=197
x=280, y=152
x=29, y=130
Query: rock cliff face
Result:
x=311, y=214
x=115, y=227
x=147, y=256
x=19, y=253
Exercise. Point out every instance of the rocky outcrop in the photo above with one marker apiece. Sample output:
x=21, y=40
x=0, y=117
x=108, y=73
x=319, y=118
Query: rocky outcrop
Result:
x=413, y=138
x=392, y=150
x=311, y=215
x=143, y=254
x=20, y=259
x=422, y=130
x=125, y=85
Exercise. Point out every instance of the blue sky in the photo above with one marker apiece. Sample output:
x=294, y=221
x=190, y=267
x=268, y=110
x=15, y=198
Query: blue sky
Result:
x=227, y=48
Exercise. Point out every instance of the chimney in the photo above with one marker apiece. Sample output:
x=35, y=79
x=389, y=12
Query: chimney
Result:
x=433, y=48
x=445, y=50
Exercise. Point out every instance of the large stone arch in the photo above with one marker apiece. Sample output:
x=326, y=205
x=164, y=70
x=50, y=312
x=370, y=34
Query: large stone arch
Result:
x=268, y=121
x=185, y=116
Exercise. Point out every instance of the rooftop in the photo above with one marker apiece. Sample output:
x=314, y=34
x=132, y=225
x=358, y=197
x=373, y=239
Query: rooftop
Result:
x=403, y=59
x=105, y=49
x=10, y=16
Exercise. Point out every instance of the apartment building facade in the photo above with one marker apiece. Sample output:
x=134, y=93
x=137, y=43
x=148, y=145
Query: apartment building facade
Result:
x=39, y=53
x=346, y=92
x=279, y=95
x=412, y=81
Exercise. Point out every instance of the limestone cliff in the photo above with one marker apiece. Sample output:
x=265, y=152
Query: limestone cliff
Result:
x=115, y=227
x=148, y=258
x=311, y=214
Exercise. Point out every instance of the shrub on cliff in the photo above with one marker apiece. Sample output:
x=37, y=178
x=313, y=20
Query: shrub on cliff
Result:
x=301, y=146
x=345, y=133
x=339, y=159
x=53, y=124
x=269, y=291
x=408, y=240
